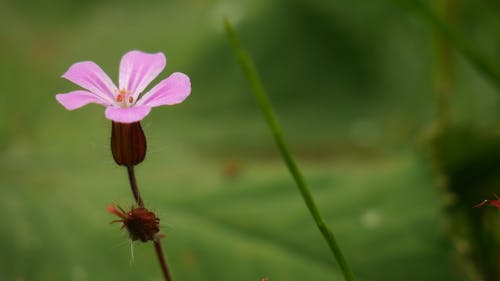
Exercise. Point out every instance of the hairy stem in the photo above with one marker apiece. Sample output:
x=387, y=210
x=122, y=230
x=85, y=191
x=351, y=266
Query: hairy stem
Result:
x=162, y=260
x=266, y=107
x=157, y=244
x=133, y=185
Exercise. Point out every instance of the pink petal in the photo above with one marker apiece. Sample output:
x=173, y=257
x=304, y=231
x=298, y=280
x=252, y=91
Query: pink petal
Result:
x=173, y=90
x=90, y=76
x=77, y=99
x=128, y=114
x=138, y=69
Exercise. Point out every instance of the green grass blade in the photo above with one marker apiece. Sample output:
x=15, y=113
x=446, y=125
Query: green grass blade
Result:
x=461, y=45
x=265, y=105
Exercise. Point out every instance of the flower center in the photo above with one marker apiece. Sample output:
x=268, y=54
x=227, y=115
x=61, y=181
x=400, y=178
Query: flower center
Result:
x=124, y=98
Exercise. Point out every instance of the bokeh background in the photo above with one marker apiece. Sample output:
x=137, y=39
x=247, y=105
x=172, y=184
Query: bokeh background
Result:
x=354, y=87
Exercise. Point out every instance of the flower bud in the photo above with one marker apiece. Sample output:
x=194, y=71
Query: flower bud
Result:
x=128, y=143
x=140, y=223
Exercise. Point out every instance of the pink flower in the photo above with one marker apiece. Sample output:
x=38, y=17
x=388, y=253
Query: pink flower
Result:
x=125, y=104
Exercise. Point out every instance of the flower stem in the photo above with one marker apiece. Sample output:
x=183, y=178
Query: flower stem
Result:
x=266, y=108
x=156, y=242
x=162, y=260
x=133, y=185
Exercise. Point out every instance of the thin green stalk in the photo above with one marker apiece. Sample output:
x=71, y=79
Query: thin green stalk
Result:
x=444, y=64
x=266, y=107
x=457, y=40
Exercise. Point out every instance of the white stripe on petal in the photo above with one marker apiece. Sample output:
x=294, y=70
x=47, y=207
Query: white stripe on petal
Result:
x=173, y=90
x=91, y=77
x=138, y=69
x=77, y=99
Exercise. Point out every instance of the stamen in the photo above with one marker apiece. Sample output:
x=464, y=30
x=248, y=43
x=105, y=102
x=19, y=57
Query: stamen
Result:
x=121, y=96
x=130, y=99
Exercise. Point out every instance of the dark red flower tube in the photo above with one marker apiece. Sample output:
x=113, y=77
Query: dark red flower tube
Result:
x=128, y=143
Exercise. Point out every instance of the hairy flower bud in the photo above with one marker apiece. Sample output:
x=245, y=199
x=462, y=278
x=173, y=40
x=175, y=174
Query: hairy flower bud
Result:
x=140, y=223
x=128, y=143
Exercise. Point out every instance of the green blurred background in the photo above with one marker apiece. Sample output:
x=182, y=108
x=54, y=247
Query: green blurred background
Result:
x=353, y=83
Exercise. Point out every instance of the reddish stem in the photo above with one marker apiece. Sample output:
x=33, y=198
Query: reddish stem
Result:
x=161, y=260
x=133, y=185
x=156, y=242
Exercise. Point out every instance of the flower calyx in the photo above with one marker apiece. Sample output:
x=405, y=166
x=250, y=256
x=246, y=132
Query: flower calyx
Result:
x=128, y=143
x=141, y=223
